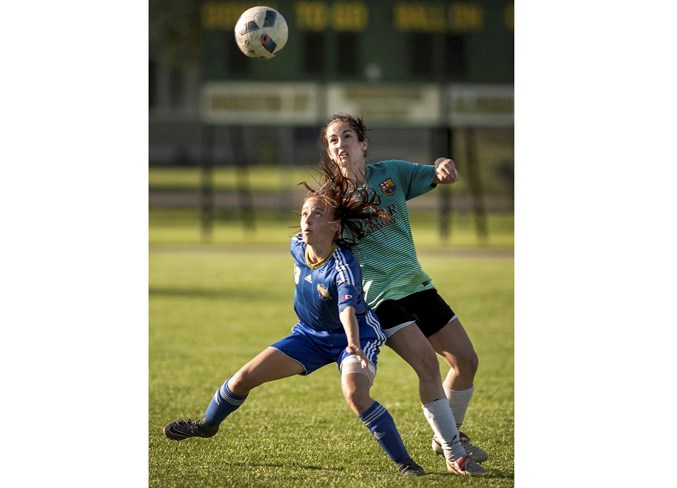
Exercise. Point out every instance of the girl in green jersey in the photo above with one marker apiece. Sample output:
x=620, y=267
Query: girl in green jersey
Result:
x=416, y=320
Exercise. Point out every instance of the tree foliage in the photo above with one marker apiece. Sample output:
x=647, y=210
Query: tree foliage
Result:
x=174, y=29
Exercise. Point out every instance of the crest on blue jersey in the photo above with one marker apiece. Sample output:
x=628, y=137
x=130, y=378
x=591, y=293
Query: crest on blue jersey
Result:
x=388, y=186
x=324, y=293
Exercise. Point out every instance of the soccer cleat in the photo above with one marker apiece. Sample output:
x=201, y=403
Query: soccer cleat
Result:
x=464, y=466
x=183, y=429
x=476, y=454
x=410, y=468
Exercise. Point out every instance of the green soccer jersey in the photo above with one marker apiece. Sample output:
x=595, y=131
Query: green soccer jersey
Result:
x=390, y=267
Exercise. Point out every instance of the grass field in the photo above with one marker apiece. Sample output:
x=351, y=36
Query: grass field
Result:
x=213, y=306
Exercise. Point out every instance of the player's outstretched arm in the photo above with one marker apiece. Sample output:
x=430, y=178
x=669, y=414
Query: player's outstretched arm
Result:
x=351, y=328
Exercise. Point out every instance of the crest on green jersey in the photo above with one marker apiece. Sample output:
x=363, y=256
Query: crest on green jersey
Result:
x=388, y=186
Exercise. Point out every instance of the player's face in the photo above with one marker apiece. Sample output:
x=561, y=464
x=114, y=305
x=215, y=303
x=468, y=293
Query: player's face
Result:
x=343, y=145
x=317, y=226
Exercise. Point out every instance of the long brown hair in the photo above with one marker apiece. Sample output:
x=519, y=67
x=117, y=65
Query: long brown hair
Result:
x=354, y=206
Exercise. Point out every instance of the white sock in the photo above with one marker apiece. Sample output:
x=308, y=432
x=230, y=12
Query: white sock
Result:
x=439, y=416
x=458, y=401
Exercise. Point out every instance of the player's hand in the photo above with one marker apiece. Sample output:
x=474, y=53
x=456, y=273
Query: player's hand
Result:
x=357, y=351
x=445, y=171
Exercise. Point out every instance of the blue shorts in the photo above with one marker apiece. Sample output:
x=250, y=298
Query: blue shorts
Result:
x=314, y=349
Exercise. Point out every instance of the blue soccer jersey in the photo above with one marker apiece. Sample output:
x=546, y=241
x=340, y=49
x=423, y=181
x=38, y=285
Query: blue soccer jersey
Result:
x=322, y=292
x=326, y=289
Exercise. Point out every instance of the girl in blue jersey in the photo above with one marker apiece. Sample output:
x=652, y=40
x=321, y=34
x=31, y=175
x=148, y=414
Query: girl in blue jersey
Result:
x=402, y=294
x=335, y=325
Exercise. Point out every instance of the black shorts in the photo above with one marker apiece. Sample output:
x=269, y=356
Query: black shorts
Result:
x=427, y=308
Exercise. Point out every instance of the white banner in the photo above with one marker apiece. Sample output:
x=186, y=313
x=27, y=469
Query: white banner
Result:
x=260, y=103
x=395, y=104
x=462, y=105
x=480, y=105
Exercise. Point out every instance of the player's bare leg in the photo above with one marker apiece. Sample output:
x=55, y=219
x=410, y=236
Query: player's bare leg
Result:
x=269, y=365
x=453, y=344
x=355, y=385
x=411, y=345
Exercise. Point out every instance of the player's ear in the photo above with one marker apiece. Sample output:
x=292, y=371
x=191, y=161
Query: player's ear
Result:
x=365, y=144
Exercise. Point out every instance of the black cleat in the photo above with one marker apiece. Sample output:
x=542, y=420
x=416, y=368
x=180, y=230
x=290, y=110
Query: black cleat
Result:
x=410, y=468
x=183, y=429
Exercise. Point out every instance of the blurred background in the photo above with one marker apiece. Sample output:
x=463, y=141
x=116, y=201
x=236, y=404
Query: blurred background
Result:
x=230, y=137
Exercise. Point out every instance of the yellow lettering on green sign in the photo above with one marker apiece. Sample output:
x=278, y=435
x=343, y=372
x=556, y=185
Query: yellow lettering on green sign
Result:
x=224, y=15
x=465, y=16
x=311, y=15
x=349, y=16
x=410, y=16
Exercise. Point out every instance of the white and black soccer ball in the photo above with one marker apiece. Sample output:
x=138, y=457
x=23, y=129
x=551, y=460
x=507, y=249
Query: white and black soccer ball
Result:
x=261, y=32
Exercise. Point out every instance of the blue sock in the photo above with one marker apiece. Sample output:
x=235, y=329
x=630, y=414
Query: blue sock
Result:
x=224, y=402
x=382, y=426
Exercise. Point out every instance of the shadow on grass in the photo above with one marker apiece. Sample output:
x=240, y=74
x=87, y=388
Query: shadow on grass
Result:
x=491, y=473
x=285, y=466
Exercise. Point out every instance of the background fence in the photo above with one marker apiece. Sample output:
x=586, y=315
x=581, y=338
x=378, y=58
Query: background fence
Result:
x=431, y=79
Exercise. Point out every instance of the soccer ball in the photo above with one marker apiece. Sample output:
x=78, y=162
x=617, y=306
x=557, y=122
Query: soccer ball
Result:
x=261, y=32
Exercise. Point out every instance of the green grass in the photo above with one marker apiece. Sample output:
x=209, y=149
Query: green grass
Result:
x=214, y=306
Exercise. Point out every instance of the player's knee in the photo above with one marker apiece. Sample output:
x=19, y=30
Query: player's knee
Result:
x=242, y=382
x=351, y=396
x=475, y=363
x=358, y=398
x=355, y=384
x=469, y=363
x=428, y=369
